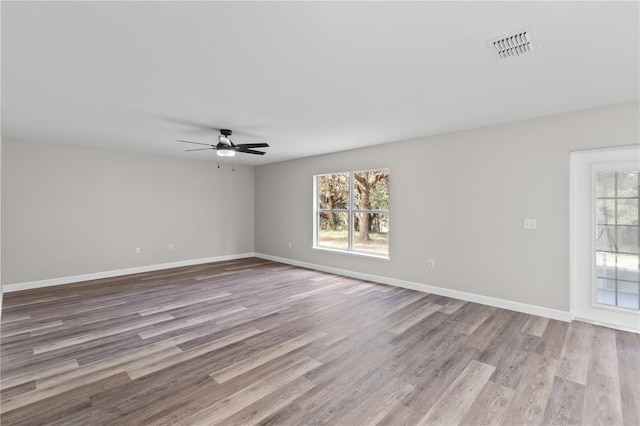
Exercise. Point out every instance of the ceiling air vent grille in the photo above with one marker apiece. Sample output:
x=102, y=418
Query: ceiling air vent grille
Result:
x=514, y=44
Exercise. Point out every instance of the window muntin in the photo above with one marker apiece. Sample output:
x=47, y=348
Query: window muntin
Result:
x=352, y=212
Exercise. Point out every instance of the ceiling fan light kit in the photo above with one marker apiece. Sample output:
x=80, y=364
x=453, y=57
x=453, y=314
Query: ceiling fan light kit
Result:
x=226, y=148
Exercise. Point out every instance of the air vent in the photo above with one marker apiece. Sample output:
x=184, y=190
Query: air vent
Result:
x=512, y=45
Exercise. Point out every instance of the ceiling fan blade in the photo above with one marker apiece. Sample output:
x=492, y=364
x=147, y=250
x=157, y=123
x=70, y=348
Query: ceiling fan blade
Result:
x=197, y=143
x=198, y=149
x=251, y=151
x=252, y=145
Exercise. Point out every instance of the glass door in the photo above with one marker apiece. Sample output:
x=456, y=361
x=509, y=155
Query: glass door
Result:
x=605, y=283
x=616, y=244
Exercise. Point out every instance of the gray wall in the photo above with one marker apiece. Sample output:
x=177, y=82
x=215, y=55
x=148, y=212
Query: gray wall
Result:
x=460, y=199
x=70, y=210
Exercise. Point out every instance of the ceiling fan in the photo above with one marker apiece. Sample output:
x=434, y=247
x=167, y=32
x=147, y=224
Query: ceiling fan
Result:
x=226, y=148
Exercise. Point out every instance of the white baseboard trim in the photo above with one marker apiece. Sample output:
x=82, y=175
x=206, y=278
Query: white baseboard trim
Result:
x=28, y=285
x=461, y=295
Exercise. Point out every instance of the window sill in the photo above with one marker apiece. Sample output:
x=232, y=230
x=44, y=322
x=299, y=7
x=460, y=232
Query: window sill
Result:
x=353, y=253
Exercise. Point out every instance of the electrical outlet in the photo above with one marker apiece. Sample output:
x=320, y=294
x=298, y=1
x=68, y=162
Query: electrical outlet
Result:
x=432, y=264
x=138, y=250
x=530, y=224
x=290, y=244
x=170, y=246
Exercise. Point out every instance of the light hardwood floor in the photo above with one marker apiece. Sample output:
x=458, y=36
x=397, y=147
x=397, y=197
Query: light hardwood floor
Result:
x=256, y=342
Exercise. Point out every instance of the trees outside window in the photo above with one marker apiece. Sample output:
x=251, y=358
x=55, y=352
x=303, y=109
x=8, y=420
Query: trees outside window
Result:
x=352, y=211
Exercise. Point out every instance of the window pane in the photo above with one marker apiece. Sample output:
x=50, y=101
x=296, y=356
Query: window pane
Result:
x=606, y=291
x=371, y=232
x=628, y=211
x=628, y=294
x=606, y=211
x=628, y=184
x=605, y=185
x=605, y=259
x=606, y=238
x=333, y=191
x=628, y=267
x=605, y=264
x=627, y=240
x=371, y=189
x=333, y=230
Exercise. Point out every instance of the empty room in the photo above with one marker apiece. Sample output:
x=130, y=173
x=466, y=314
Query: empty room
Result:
x=304, y=213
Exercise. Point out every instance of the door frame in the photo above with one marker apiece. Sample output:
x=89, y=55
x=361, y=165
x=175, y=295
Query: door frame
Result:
x=583, y=166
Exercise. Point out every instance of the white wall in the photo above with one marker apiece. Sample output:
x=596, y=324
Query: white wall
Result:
x=69, y=210
x=460, y=199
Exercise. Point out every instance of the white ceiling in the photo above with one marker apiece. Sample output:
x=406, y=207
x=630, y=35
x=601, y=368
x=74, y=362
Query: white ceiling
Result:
x=306, y=77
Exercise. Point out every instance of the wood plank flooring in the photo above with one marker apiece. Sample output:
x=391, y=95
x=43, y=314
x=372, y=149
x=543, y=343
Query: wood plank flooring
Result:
x=251, y=341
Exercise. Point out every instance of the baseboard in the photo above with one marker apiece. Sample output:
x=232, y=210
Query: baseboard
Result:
x=461, y=295
x=28, y=285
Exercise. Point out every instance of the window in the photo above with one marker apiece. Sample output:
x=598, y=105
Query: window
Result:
x=352, y=212
x=617, y=260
